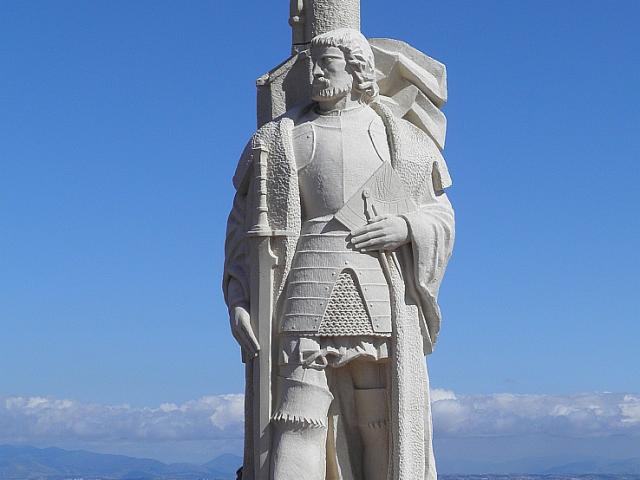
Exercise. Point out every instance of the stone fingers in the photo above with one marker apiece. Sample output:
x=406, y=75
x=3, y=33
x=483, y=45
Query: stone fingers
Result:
x=254, y=346
x=360, y=239
x=246, y=339
x=370, y=239
x=387, y=243
x=374, y=243
x=238, y=336
x=386, y=246
x=373, y=225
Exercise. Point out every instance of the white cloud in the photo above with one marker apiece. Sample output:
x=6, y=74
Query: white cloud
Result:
x=34, y=419
x=38, y=419
x=631, y=409
x=438, y=394
x=584, y=415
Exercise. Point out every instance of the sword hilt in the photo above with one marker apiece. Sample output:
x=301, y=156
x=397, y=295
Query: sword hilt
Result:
x=261, y=151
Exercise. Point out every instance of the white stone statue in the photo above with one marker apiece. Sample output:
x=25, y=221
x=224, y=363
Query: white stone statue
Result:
x=337, y=243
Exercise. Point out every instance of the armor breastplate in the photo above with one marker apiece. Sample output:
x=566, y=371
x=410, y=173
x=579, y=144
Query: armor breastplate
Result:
x=335, y=156
x=333, y=290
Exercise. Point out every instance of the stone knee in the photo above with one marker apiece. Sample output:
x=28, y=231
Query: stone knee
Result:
x=300, y=431
x=371, y=405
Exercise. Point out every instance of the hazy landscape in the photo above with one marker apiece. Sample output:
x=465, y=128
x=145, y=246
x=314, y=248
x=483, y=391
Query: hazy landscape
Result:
x=30, y=463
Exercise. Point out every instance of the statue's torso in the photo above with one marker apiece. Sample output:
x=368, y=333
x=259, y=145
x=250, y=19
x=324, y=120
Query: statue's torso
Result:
x=335, y=156
x=332, y=289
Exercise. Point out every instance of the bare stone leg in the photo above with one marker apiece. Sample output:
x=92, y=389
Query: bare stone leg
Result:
x=371, y=404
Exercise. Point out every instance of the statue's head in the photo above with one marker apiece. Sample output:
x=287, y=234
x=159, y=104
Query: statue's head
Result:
x=343, y=64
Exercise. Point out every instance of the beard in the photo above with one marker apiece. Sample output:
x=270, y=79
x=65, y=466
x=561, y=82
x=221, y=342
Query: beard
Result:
x=323, y=90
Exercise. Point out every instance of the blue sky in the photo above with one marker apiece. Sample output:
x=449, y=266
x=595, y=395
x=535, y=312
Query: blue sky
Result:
x=120, y=126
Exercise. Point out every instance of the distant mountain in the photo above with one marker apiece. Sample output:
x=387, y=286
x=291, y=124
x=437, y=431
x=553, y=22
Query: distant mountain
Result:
x=628, y=466
x=29, y=463
x=541, y=467
x=224, y=463
x=521, y=476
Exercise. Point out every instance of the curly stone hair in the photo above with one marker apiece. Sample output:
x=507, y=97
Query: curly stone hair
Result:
x=359, y=57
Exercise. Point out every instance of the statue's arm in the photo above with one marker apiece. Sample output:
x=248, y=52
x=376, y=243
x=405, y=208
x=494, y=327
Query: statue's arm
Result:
x=430, y=230
x=432, y=225
x=390, y=232
x=236, y=275
x=235, y=283
x=432, y=235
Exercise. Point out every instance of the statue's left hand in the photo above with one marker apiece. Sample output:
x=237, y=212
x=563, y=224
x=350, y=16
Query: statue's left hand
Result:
x=384, y=232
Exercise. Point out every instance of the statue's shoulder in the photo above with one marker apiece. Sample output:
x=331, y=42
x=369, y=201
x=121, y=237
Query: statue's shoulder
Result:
x=419, y=149
x=416, y=137
x=267, y=135
x=261, y=136
x=272, y=130
x=413, y=139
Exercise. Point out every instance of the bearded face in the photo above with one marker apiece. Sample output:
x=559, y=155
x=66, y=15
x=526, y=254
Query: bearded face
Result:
x=331, y=79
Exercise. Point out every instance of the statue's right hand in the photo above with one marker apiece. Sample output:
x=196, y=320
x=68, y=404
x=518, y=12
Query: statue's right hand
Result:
x=242, y=331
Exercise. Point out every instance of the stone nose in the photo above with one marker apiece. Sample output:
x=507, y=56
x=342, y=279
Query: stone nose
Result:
x=317, y=71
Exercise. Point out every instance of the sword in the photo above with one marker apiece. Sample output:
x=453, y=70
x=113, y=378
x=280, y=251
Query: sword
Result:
x=263, y=261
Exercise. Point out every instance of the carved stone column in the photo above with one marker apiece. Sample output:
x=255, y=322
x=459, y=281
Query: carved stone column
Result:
x=326, y=15
x=312, y=17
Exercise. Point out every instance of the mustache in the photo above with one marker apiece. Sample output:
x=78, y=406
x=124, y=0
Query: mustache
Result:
x=321, y=82
x=329, y=92
x=323, y=88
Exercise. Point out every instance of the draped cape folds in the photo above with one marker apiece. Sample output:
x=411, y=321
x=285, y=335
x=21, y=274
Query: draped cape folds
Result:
x=417, y=268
